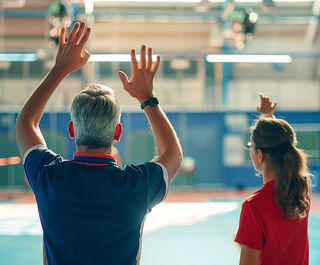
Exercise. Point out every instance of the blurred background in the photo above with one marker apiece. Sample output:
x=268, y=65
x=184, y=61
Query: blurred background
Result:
x=216, y=57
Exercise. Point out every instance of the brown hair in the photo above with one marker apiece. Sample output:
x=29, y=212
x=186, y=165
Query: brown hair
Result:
x=292, y=182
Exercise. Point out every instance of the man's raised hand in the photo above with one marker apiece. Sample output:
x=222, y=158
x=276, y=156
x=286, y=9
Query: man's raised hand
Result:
x=71, y=53
x=141, y=84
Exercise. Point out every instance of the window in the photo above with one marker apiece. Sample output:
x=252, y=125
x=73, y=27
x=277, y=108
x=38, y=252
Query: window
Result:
x=36, y=69
x=104, y=70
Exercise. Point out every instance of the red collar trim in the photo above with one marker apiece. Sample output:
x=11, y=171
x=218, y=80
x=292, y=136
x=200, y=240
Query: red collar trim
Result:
x=89, y=164
x=83, y=154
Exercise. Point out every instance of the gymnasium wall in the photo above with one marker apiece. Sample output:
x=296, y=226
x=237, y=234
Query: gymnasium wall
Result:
x=214, y=140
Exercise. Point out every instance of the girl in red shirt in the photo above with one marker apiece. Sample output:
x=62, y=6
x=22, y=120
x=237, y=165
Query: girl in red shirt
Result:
x=273, y=228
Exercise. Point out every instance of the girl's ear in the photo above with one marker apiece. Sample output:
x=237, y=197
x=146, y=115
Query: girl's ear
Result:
x=261, y=156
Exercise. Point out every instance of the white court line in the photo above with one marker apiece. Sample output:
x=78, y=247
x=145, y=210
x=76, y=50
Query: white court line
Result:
x=18, y=219
x=168, y=214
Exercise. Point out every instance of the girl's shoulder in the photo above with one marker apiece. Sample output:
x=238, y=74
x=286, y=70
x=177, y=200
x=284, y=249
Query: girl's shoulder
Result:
x=261, y=198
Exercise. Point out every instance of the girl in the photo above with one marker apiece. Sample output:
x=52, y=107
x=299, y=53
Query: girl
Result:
x=273, y=227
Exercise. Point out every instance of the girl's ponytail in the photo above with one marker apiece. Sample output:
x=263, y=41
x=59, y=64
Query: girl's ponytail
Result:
x=292, y=179
x=292, y=187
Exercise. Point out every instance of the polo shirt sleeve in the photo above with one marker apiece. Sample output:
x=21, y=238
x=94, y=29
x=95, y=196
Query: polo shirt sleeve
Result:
x=156, y=182
x=250, y=232
x=34, y=159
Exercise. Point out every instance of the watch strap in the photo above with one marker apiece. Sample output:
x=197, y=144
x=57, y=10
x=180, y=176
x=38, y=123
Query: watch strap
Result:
x=151, y=102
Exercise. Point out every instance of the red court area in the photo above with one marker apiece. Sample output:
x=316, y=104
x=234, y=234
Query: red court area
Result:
x=173, y=196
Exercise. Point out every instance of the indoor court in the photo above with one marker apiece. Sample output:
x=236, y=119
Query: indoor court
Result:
x=216, y=57
x=195, y=227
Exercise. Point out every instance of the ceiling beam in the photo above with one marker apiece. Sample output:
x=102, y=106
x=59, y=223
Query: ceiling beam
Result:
x=313, y=23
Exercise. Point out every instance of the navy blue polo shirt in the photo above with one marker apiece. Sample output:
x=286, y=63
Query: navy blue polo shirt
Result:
x=92, y=211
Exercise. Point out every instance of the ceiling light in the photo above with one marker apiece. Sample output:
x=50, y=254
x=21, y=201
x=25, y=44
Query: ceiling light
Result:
x=152, y=1
x=248, y=58
x=18, y=57
x=106, y=57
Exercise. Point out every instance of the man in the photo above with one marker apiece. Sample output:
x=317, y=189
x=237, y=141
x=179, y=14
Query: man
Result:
x=91, y=211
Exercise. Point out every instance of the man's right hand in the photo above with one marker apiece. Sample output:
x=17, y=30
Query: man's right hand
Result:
x=141, y=84
x=266, y=107
x=141, y=87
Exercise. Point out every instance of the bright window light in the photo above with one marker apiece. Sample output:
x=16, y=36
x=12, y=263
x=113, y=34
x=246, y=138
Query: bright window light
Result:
x=114, y=57
x=244, y=58
x=18, y=57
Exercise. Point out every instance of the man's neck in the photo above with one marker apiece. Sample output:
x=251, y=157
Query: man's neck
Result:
x=102, y=150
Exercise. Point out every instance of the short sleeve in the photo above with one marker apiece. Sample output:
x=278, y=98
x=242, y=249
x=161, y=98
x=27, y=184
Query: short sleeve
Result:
x=250, y=232
x=35, y=158
x=157, y=182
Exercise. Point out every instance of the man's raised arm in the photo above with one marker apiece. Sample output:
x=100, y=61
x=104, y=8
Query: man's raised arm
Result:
x=141, y=87
x=70, y=57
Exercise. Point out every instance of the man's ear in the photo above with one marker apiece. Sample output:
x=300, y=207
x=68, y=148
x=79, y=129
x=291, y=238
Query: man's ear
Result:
x=71, y=129
x=118, y=132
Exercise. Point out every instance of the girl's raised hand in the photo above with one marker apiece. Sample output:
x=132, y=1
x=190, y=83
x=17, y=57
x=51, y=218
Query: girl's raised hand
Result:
x=267, y=106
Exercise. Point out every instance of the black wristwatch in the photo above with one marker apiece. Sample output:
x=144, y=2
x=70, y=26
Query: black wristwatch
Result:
x=151, y=102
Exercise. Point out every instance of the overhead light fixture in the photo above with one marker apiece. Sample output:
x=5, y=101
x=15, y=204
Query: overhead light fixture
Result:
x=152, y=1
x=248, y=58
x=248, y=1
x=293, y=1
x=259, y=1
x=18, y=57
x=107, y=57
x=195, y=1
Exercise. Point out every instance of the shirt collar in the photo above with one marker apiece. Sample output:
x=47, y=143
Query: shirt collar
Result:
x=94, y=159
x=268, y=186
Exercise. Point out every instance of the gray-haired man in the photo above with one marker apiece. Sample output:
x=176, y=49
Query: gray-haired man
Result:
x=91, y=211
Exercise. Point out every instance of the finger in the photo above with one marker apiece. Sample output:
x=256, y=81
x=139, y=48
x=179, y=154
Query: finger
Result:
x=85, y=38
x=85, y=55
x=258, y=108
x=62, y=38
x=143, y=57
x=80, y=32
x=149, y=60
x=155, y=66
x=134, y=62
x=274, y=105
x=124, y=79
x=264, y=98
x=74, y=31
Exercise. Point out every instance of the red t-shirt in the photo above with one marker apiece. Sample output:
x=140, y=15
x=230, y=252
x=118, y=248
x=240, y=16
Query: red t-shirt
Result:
x=264, y=227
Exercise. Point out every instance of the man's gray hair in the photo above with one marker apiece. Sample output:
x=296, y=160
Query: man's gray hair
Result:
x=95, y=112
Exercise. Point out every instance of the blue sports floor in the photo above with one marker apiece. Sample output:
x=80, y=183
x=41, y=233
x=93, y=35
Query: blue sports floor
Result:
x=185, y=233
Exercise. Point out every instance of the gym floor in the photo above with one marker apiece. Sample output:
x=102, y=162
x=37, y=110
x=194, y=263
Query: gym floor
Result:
x=195, y=227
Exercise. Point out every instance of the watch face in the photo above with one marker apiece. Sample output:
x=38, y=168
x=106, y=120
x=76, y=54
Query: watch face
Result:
x=154, y=102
